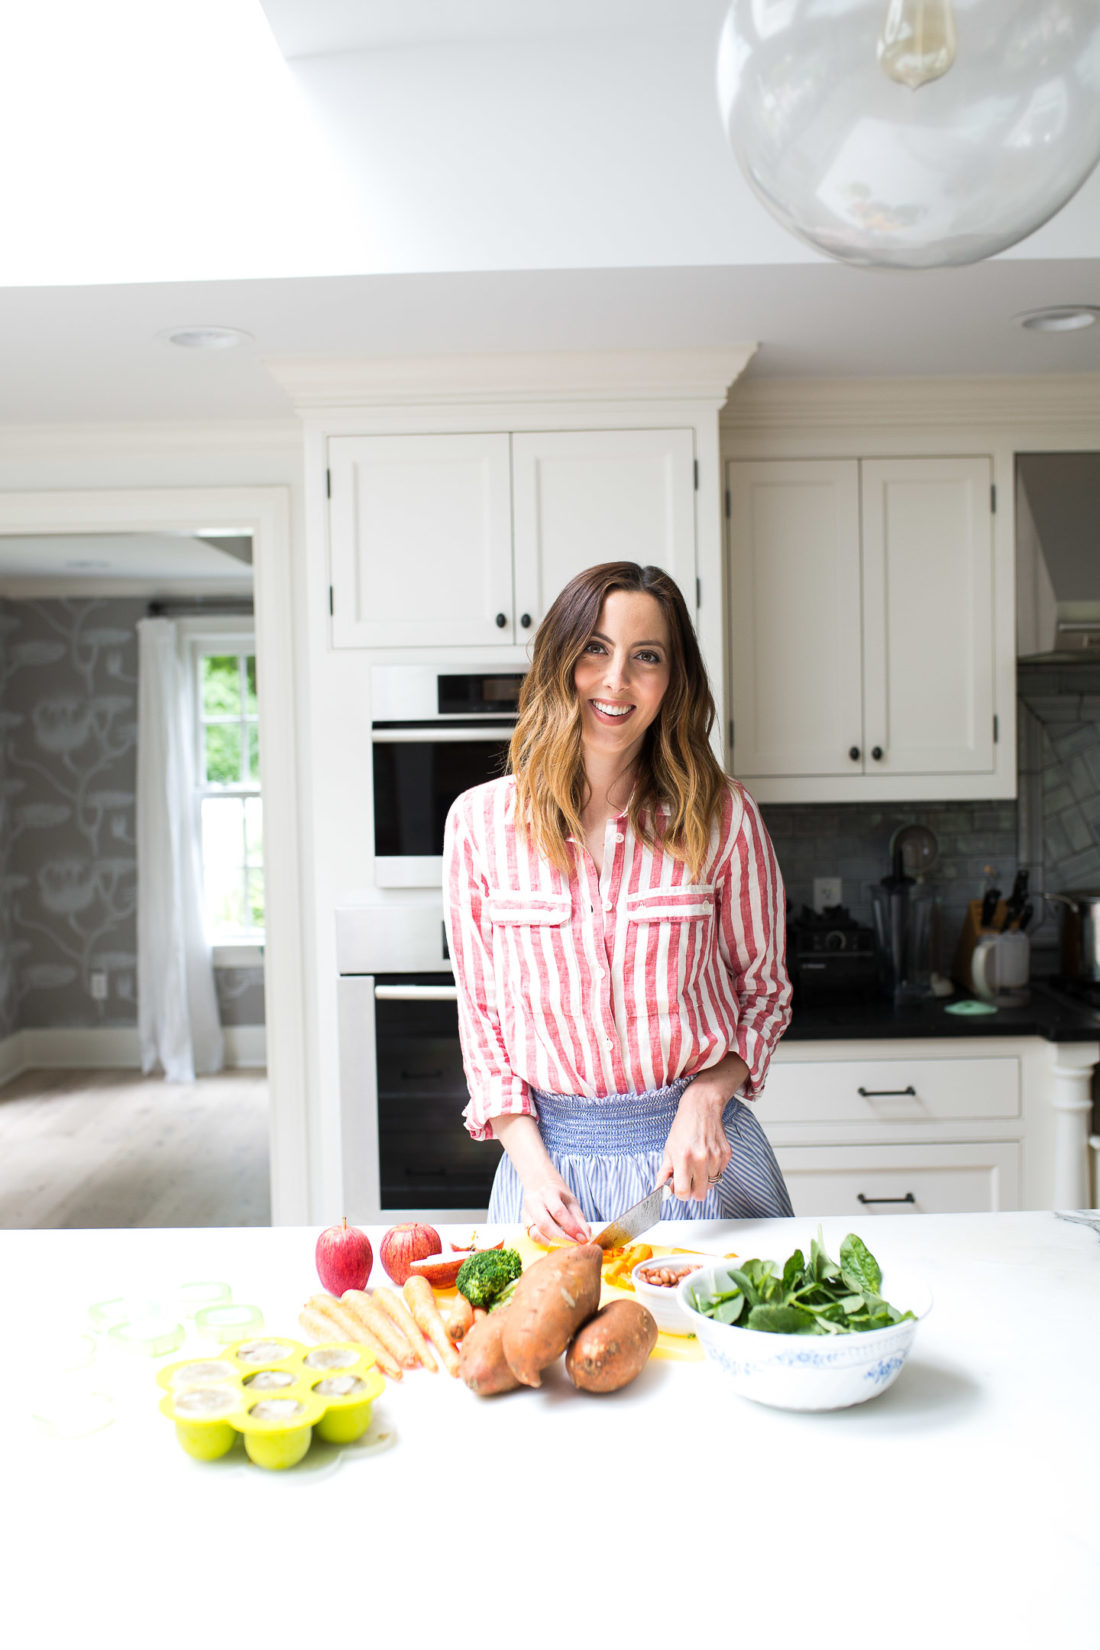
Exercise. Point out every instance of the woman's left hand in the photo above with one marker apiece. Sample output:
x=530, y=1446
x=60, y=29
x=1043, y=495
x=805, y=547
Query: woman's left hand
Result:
x=697, y=1150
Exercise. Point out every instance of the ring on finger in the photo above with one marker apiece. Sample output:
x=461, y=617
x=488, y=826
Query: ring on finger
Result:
x=714, y=1179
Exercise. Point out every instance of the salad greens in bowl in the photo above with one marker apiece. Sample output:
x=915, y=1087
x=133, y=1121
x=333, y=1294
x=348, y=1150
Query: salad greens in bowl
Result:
x=810, y=1333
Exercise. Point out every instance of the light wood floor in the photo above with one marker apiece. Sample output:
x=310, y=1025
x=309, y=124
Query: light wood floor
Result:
x=113, y=1148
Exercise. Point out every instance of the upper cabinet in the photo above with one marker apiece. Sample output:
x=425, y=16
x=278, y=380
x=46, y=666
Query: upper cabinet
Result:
x=861, y=627
x=465, y=539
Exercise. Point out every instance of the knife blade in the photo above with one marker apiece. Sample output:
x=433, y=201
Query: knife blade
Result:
x=637, y=1219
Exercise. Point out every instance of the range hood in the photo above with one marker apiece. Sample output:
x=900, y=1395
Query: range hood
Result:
x=1058, y=556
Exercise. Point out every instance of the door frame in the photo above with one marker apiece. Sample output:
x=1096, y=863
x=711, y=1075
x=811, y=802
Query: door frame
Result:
x=265, y=514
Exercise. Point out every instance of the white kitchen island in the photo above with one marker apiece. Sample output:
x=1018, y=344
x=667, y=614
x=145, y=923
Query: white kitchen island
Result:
x=959, y=1507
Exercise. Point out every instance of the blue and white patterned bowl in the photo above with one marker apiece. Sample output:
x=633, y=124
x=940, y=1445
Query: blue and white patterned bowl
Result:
x=809, y=1371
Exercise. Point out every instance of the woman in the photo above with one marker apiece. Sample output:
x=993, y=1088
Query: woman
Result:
x=615, y=918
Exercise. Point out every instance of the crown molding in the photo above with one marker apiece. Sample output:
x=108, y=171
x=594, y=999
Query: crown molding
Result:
x=151, y=436
x=20, y=589
x=315, y=382
x=789, y=404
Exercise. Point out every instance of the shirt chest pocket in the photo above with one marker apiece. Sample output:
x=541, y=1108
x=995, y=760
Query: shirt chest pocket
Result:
x=512, y=908
x=690, y=903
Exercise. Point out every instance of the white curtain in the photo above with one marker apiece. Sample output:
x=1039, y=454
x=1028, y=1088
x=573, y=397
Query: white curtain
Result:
x=177, y=1004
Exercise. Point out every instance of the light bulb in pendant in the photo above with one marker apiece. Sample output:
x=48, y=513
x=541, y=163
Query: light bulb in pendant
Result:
x=917, y=42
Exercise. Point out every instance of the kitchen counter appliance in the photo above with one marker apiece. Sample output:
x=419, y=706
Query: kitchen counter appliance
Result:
x=830, y=956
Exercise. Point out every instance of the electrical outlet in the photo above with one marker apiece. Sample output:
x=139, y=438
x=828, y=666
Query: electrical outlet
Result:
x=98, y=985
x=827, y=892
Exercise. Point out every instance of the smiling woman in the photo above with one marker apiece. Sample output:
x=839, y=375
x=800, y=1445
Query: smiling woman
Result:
x=615, y=917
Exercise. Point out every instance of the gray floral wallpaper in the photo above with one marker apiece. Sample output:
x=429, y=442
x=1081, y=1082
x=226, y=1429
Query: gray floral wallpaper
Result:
x=68, y=883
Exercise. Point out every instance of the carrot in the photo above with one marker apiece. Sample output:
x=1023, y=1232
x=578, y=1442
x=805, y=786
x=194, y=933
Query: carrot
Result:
x=331, y=1313
x=421, y=1303
x=460, y=1318
x=372, y=1317
x=393, y=1304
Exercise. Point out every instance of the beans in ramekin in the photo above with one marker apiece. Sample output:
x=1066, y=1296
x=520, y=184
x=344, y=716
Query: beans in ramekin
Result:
x=667, y=1277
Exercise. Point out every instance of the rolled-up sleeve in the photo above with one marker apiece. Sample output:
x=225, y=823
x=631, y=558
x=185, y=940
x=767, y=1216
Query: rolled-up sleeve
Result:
x=752, y=933
x=495, y=1090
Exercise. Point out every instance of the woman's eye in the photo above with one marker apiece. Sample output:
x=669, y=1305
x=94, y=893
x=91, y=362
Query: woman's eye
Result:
x=594, y=647
x=650, y=658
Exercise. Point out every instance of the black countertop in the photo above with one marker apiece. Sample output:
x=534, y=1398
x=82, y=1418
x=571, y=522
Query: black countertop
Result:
x=1048, y=1014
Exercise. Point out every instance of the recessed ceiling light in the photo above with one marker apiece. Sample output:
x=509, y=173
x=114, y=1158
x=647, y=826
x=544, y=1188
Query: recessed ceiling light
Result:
x=207, y=337
x=1059, y=318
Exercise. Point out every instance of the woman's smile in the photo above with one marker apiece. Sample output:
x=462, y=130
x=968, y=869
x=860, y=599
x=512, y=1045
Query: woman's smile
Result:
x=622, y=675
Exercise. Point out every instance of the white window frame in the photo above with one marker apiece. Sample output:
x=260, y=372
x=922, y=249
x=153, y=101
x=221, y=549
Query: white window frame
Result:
x=199, y=635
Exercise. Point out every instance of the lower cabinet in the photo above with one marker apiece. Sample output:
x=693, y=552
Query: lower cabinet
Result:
x=864, y=1129
x=934, y=1179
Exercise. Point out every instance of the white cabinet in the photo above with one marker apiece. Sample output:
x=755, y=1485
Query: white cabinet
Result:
x=860, y=1129
x=465, y=539
x=861, y=624
x=859, y=1181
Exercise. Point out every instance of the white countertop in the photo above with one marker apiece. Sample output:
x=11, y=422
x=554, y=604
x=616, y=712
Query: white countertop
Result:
x=959, y=1506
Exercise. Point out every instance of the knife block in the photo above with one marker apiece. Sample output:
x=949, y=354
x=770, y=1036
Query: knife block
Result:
x=972, y=931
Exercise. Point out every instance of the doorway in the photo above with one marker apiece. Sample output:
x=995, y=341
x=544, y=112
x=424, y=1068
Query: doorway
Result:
x=214, y=523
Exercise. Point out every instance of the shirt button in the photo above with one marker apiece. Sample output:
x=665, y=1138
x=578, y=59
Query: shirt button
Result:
x=607, y=905
x=607, y=1042
x=619, y=837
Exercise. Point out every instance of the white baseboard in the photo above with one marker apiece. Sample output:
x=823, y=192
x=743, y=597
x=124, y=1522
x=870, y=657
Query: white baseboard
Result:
x=109, y=1048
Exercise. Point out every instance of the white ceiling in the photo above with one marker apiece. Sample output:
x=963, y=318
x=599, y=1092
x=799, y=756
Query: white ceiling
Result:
x=120, y=562
x=358, y=177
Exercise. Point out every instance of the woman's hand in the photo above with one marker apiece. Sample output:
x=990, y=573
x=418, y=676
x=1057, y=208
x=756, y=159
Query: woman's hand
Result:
x=550, y=1210
x=697, y=1150
x=552, y=1213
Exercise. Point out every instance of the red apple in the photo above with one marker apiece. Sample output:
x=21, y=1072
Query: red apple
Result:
x=344, y=1258
x=440, y=1270
x=406, y=1243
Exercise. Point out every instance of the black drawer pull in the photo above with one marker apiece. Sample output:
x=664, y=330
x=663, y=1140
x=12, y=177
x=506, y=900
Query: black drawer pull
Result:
x=876, y=1094
x=420, y=1076
x=908, y=1198
x=441, y=1174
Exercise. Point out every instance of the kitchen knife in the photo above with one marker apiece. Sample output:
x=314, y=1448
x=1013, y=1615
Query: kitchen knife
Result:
x=637, y=1219
x=1025, y=916
x=989, y=906
x=1017, y=899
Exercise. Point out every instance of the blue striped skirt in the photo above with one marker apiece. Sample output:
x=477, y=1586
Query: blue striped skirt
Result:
x=609, y=1152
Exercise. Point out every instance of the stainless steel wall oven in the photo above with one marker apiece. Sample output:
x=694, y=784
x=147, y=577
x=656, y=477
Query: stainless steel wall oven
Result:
x=434, y=734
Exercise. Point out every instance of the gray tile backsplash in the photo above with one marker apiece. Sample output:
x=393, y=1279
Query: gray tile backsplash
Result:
x=1053, y=828
x=68, y=768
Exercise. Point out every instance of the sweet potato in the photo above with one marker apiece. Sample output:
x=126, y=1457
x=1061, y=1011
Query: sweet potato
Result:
x=551, y=1301
x=612, y=1348
x=481, y=1360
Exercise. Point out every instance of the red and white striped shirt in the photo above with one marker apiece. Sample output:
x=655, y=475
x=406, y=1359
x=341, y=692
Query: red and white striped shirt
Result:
x=609, y=983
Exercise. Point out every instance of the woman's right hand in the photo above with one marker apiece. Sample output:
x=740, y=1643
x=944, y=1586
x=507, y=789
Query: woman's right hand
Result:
x=551, y=1212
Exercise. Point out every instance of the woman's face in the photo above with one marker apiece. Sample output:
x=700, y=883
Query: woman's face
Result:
x=623, y=673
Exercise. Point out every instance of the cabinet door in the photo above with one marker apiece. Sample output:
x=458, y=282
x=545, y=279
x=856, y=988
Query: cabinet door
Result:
x=589, y=496
x=859, y=1181
x=794, y=617
x=421, y=540
x=928, y=615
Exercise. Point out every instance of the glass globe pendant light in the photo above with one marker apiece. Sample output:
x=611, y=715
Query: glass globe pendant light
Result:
x=912, y=133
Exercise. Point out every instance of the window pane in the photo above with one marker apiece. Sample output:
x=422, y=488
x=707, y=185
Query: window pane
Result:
x=254, y=829
x=254, y=752
x=252, y=705
x=221, y=685
x=256, y=898
x=222, y=843
x=223, y=754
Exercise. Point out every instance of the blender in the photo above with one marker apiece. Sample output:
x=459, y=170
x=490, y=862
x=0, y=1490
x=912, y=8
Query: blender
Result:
x=902, y=909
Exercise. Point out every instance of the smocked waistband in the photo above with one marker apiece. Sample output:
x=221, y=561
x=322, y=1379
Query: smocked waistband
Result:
x=612, y=1124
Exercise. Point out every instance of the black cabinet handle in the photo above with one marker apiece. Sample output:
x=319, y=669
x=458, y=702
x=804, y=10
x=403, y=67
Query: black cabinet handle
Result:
x=908, y=1198
x=421, y=1076
x=854, y=753
x=525, y=621
x=872, y=1094
x=876, y=752
x=502, y=620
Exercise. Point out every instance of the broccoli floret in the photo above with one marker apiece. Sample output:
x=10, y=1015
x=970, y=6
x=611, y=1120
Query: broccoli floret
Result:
x=487, y=1274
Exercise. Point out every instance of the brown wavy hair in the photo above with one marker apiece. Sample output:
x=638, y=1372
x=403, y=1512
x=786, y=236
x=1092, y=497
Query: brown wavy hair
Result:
x=676, y=765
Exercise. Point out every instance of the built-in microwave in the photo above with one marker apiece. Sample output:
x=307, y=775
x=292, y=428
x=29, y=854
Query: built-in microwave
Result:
x=434, y=734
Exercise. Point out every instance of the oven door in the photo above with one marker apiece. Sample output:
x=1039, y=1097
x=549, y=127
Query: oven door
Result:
x=418, y=771
x=406, y=1151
